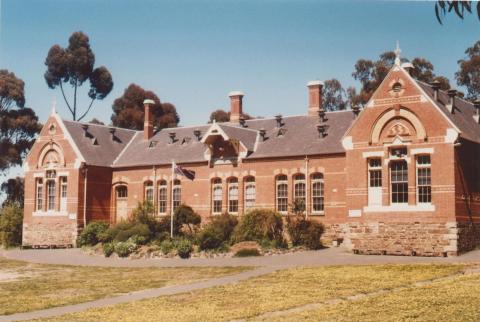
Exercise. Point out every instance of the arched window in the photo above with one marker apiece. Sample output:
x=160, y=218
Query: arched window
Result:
x=399, y=181
x=63, y=193
x=121, y=203
x=299, y=190
x=233, y=195
x=250, y=193
x=51, y=177
x=217, y=195
x=39, y=195
x=148, y=196
x=122, y=192
x=162, y=196
x=282, y=193
x=318, y=191
x=177, y=194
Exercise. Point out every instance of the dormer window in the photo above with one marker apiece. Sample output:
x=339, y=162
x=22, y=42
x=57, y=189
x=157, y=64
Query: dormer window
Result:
x=152, y=144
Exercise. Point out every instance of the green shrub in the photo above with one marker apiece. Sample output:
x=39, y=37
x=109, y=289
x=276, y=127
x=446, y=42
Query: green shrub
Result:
x=185, y=217
x=11, y=221
x=167, y=246
x=108, y=249
x=247, y=252
x=305, y=232
x=124, y=249
x=184, y=248
x=139, y=232
x=215, y=234
x=144, y=213
x=258, y=225
x=92, y=234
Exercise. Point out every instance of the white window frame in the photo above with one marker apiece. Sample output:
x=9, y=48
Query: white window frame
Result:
x=398, y=182
x=51, y=188
x=250, y=193
x=39, y=194
x=217, y=196
x=420, y=167
x=300, y=189
x=233, y=196
x=148, y=192
x=162, y=197
x=281, y=200
x=177, y=194
x=318, y=179
x=63, y=193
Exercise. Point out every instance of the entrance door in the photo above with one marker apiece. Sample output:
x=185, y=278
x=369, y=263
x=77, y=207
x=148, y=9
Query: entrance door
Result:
x=121, y=194
x=375, y=182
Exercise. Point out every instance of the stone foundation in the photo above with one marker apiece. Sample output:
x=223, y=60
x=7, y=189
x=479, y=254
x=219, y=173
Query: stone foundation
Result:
x=408, y=239
x=468, y=236
x=49, y=234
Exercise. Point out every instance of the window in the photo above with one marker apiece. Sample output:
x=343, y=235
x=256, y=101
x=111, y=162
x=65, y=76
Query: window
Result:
x=282, y=193
x=299, y=191
x=149, y=192
x=39, y=195
x=375, y=172
x=177, y=194
x=399, y=181
x=63, y=193
x=250, y=193
x=162, y=197
x=217, y=194
x=424, y=179
x=318, y=191
x=51, y=175
x=233, y=195
x=122, y=192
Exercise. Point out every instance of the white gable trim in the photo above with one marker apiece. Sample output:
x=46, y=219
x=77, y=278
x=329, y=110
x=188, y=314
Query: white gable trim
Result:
x=80, y=157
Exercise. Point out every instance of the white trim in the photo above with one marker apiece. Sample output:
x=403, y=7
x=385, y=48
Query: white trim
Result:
x=370, y=154
x=401, y=208
x=62, y=174
x=39, y=175
x=50, y=213
x=422, y=151
x=347, y=143
x=451, y=136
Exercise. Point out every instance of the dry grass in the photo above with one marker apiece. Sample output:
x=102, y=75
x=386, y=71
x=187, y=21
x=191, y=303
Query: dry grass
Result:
x=276, y=291
x=41, y=286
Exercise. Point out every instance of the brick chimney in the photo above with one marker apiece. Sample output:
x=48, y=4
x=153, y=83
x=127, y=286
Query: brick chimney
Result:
x=314, y=97
x=236, y=110
x=148, y=123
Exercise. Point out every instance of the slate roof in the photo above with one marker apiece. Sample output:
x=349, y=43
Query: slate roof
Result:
x=106, y=149
x=462, y=116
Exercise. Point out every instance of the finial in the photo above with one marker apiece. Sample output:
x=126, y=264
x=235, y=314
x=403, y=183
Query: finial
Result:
x=54, y=105
x=398, y=51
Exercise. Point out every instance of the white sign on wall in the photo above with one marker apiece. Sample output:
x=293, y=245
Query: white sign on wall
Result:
x=354, y=213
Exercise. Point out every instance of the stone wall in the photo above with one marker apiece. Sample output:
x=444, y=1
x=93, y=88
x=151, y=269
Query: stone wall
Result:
x=59, y=234
x=408, y=239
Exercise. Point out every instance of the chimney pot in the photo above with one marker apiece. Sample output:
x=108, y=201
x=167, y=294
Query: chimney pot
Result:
x=435, y=86
x=172, y=136
x=242, y=121
x=314, y=97
x=476, y=105
x=112, y=132
x=236, y=106
x=322, y=115
x=148, y=122
x=322, y=130
x=356, y=110
x=197, y=134
x=263, y=134
x=451, y=102
x=279, y=120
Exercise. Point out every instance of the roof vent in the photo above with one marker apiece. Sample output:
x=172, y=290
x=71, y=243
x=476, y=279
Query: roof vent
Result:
x=152, y=144
x=85, y=130
x=279, y=120
x=172, y=136
x=322, y=115
x=451, y=100
x=408, y=67
x=356, y=110
x=435, y=86
x=242, y=121
x=197, y=134
x=322, y=130
x=476, y=105
x=112, y=133
x=94, y=141
x=281, y=132
x=263, y=134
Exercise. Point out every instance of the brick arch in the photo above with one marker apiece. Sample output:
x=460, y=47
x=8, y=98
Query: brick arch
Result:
x=401, y=113
x=46, y=150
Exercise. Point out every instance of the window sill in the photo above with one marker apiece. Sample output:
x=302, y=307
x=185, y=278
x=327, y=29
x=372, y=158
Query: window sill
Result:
x=318, y=213
x=50, y=213
x=400, y=208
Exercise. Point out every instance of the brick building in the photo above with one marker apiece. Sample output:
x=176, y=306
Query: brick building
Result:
x=402, y=176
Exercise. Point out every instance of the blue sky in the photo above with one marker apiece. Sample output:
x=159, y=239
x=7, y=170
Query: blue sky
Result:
x=192, y=53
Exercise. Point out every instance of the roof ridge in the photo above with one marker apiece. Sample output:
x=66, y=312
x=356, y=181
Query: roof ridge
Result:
x=236, y=127
x=445, y=92
x=109, y=126
x=125, y=148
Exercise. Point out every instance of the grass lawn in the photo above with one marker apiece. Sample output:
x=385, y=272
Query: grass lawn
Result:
x=26, y=287
x=275, y=291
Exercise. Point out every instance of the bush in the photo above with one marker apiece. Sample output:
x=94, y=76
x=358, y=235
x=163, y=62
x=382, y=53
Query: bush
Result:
x=259, y=225
x=144, y=214
x=167, y=246
x=124, y=249
x=11, y=221
x=140, y=233
x=184, y=216
x=247, y=252
x=184, y=248
x=305, y=232
x=108, y=249
x=215, y=234
x=92, y=234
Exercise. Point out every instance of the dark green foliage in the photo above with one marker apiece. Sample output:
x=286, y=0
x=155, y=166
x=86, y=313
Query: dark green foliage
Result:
x=124, y=249
x=92, y=234
x=144, y=214
x=185, y=218
x=108, y=249
x=14, y=189
x=11, y=220
x=167, y=246
x=184, y=248
x=304, y=232
x=258, y=225
x=139, y=233
x=217, y=232
x=247, y=252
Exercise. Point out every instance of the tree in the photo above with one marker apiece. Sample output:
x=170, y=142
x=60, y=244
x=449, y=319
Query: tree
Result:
x=469, y=72
x=14, y=190
x=334, y=96
x=222, y=116
x=458, y=7
x=96, y=121
x=18, y=124
x=128, y=110
x=423, y=71
x=74, y=65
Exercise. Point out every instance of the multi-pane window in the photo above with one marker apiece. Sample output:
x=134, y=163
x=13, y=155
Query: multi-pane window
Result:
x=424, y=179
x=399, y=181
x=282, y=193
x=233, y=195
x=63, y=193
x=318, y=193
x=162, y=197
x=177, y=194
x=51, y=189
x=122, y=192
x=375, y=172
x=149, y=192
x=250, y=193
x=39, y=195
x=299, y=190
x=217, y=195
